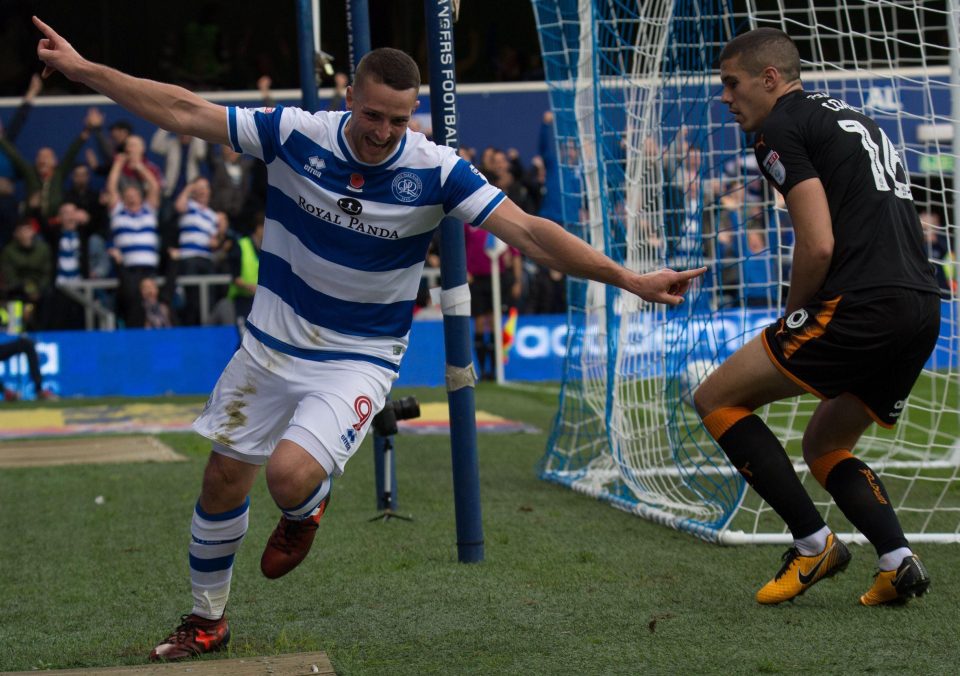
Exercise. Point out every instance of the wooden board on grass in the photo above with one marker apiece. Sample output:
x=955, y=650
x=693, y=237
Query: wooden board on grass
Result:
x=296, y=664
x=86, y=450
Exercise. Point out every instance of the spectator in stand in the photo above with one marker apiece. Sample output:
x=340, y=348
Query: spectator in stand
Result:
x=486, y=161
x=726, y=259
x=135, y=150
x=201, y=231
x=46, y=177
x=340, y=82
x=264, y=83
x=505, y=170
x=70, y=263
x=512, y=264
x=232, y=178
x=184, y=160
x=938, y=250
x=64, y=312
x=9, y=205
x=8, y=208
x=26, y=268
x=85, y=197
x=133, y=225
x=155, y=311
x=244, y=261
x=560, y=202
x=480, y=281
x=743, y=262
x=110, y=145
x=23, y=110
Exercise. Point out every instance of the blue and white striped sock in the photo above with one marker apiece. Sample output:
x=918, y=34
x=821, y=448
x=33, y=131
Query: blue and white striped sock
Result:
x=309, y=507
x=215, y=539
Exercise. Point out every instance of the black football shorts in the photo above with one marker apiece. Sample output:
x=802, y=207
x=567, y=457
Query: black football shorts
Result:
x=871, y=344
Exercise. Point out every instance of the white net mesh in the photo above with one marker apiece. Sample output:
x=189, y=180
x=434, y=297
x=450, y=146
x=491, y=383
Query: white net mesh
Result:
x=656, y=173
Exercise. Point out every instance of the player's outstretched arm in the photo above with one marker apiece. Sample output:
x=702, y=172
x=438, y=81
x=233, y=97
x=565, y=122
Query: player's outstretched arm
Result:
x=549, y=244
x=168, y=106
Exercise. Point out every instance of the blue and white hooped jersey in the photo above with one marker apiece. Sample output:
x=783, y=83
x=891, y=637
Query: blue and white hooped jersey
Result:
x=135, y=235
x=68, y=257
x=344, y=242
x=198, y=227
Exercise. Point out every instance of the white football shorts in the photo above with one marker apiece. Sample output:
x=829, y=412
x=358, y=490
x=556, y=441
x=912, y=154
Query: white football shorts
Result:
x=264, y=396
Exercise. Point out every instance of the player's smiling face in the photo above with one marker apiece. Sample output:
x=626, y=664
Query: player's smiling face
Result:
x=745, y=94
x=380, y=118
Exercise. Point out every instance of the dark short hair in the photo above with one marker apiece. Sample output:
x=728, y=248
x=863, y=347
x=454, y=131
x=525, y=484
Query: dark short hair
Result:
x=764, y=47
x=121, y=124
x=389, y=66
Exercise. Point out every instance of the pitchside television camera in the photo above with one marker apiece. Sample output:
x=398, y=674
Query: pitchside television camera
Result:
x=385, y=422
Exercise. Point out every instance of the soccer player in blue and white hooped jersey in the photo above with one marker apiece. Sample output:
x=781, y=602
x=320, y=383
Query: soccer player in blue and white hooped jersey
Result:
x=352, y=203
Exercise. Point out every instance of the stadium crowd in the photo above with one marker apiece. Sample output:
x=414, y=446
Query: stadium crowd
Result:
x=168, y=209
x=113, y=205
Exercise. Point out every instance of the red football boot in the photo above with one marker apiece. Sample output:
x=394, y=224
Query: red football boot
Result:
x=290, y=543
x=195, y=636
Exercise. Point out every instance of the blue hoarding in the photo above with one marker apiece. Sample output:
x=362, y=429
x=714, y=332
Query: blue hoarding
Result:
x=138, y=362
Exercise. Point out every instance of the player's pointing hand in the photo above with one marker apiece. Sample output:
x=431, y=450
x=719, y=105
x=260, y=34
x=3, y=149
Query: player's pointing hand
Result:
x=664, y=286
x=56, y=53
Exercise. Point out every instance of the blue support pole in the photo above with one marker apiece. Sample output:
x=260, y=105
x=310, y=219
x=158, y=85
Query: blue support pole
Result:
x=358, y=32
x=456, y=322
x=308, y=75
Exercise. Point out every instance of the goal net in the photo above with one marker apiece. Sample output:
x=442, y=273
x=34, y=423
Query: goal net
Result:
x=656, y=173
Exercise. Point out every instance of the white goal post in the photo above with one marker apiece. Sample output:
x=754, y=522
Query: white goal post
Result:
x=666, y=178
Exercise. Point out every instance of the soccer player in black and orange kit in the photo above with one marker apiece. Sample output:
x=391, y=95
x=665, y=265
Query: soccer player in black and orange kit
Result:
x=862, y=316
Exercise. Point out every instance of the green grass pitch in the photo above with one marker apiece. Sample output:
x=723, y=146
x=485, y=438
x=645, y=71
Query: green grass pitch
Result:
x=568, y=585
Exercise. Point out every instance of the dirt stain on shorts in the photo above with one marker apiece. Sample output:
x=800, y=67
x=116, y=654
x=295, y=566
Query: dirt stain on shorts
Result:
x=236, y=418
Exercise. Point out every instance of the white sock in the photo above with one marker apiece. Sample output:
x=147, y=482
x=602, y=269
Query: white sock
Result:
x=813, y=544
x=892, y=560
x=309, y=507
x=215, y=539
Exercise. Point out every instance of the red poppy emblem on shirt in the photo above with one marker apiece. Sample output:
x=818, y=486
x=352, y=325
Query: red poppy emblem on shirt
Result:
x=356, y=181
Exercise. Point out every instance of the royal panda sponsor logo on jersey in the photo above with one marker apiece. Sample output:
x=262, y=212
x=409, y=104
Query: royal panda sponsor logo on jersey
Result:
x=356, y=224
x=774, y=167
x=350, y=206
x=318, y=210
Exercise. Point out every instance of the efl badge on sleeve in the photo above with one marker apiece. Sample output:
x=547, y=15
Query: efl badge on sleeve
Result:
x=774, y=167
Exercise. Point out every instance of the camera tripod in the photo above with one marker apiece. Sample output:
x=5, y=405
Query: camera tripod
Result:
x=385, y=496
x=384, y=428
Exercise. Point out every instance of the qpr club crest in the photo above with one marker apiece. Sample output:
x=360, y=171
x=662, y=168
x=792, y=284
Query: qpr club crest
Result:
x=350, y=206
x=406, y=187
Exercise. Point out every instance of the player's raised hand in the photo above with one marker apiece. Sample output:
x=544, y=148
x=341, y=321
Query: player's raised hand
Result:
x=56, y=53
x=665, y=286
